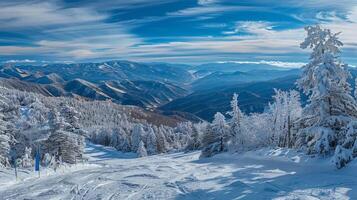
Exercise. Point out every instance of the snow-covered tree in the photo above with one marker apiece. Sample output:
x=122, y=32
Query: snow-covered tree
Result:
x=342, y=156
x=216, y=136
x=65, y=146
x=5, y=140
x=195, y=140
x=355, y=91
x=136, y=136
x=329, y=121
x=235, y=122
x=151, y=142
x=120, y=140
x=324, y=79
x=141, y=150
x=162, y=145
x=221, y=128
x=210, y=143
x=4, y=149
x=285, y=111
x=347, y=149
x=256, y=129
x=27, y=160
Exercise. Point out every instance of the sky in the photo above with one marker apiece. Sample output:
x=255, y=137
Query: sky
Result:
x=177, y=31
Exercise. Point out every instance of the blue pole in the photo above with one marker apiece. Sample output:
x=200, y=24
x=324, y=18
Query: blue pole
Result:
x=37, y=161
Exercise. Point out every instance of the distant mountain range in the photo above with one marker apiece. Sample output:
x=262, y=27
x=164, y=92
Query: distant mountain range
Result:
x=253, y=97
x=123, y=82
x=172, y=89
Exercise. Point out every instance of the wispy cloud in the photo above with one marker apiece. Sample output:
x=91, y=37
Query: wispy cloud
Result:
x=199, y=31
x=251, y=27
x=35, y=13
x=21, y=61
x=273, y=63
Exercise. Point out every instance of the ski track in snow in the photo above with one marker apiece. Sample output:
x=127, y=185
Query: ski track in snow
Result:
x=262, y=174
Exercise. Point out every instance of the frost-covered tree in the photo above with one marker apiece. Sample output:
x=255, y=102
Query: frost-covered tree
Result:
x=235, y=122
x=141, y=150
x=324, y=80
x=27, y=160
x=5, y=141
x=136, y=136
x=151, y=142
x=195, y=140
x=216, y=136
x=285, y=111
x=355, y=91
x=210, y=143
x=221, y=128
x=65, y=146
x=346, y=150
x=256, y=129
x=162, y=145
x=4, y=150
x=120, y=140
x=56, y=122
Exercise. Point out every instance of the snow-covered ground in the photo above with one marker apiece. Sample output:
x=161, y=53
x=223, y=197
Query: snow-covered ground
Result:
x=262, y=174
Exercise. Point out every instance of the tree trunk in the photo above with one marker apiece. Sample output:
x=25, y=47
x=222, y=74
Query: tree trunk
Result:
x=329, y=106
x=289, y=132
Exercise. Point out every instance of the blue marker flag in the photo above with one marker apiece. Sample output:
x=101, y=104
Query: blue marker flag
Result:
x=37, y=161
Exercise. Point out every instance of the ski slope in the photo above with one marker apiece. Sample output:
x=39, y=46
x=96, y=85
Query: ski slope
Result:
x=262, y=174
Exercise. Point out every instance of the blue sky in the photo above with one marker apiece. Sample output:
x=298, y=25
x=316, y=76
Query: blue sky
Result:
x=180, y=31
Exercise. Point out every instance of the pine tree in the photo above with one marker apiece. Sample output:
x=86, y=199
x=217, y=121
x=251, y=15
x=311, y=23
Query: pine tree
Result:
x=136, y=136
x=66, y=146
x=141, y=150
x=27, y=160
x=210, y=143
x=220, y=126
x=235, y=122
x=4, y=150
x=5, y=137
x=324, y=79
x=151, y=142
x=162, y=145
x=355, y=91
x=216, y=136
x=195, y=141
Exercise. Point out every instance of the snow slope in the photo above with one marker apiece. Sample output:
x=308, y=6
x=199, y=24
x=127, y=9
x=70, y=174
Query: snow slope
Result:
x=261, y=174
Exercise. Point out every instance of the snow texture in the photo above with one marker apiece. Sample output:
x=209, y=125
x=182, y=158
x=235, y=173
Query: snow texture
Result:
x=262, y=174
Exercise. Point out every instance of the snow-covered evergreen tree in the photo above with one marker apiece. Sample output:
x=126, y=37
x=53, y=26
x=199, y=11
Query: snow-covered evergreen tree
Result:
x=5, y=141
x=221, y=128
x=162, y=145
x=141, y=150
x=342, y=156
x=27, y=160
x=4, y=150
x=216, y=136
x=235, y=123
x=195, y=140
x=67, y=146
x=331, y=106
x=136, y=136
x=210, y=143
x=151, y=142
x=355, y=89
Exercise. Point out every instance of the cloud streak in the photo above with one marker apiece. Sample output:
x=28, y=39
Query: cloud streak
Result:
x=203, y=31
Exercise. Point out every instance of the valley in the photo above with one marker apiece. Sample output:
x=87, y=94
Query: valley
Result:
x=159, y=87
